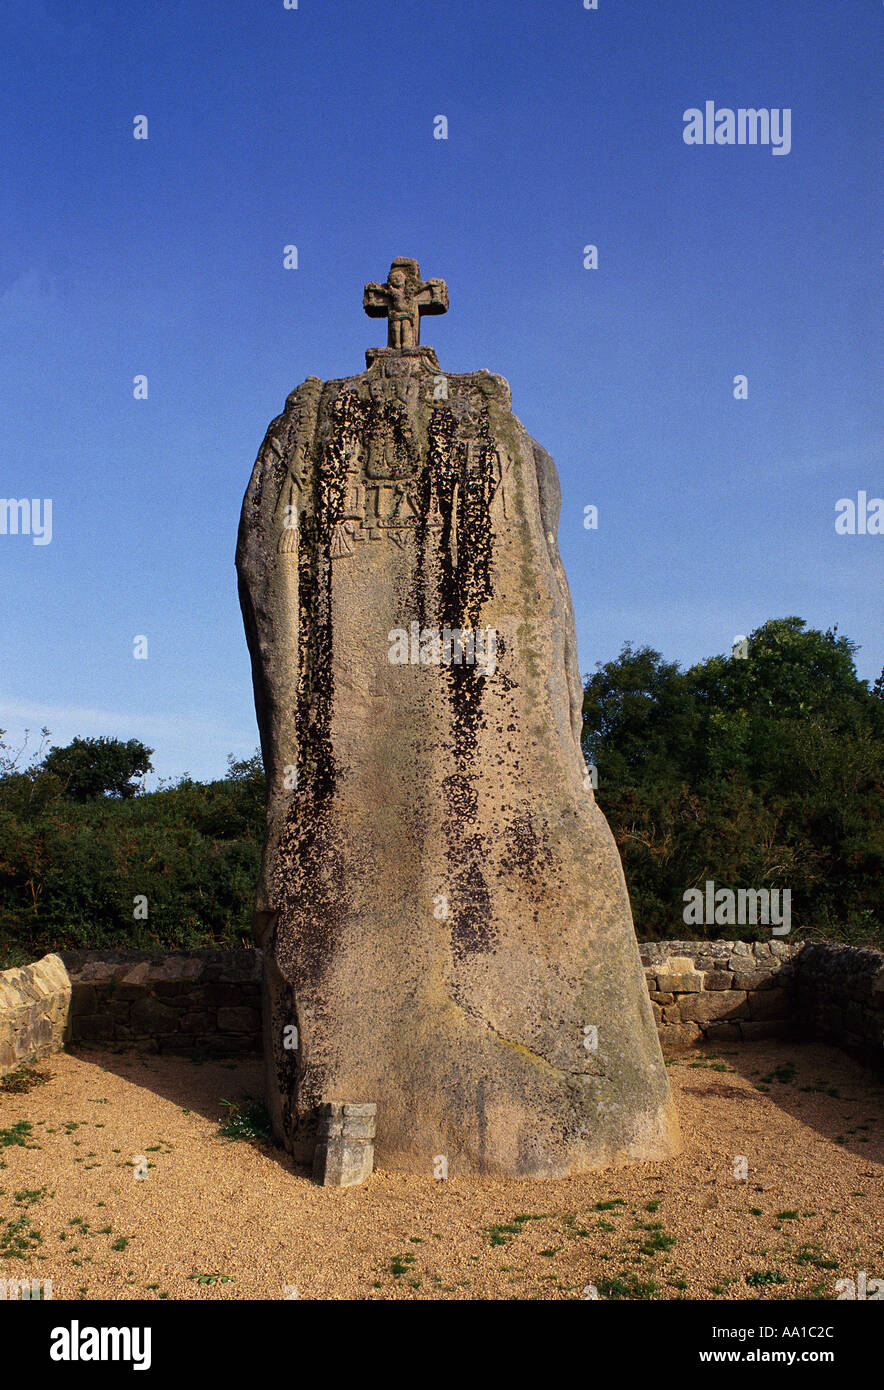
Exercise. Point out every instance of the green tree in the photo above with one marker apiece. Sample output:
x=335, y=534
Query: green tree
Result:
x=92, y=767
x=757, y=772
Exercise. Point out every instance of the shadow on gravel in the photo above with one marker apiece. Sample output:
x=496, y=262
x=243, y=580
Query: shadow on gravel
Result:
x=227, y=1091
x=820, y=1086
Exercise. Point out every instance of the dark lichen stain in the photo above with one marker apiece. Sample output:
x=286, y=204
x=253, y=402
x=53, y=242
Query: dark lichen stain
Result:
x=526, y=853
x=310, y=882
x=459, y=475
x=386, y=424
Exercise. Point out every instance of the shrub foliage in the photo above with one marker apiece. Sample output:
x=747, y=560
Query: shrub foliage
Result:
x=756, y=772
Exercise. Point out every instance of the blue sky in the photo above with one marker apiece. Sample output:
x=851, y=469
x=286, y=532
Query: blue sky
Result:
x=314, y=127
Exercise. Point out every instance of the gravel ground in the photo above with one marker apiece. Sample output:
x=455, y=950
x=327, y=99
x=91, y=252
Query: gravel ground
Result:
x=233, y=1220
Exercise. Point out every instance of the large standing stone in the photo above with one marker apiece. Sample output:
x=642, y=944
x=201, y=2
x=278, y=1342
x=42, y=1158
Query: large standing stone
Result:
x=446, y=927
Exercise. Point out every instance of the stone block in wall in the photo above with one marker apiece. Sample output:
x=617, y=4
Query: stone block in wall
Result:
x=689, y=982
x=173, y=968
x=756, y=1030
x=219, y=995
x=679, y=1036
x=95, y=1029
x=722, y=1032
x=753, y=979
x=170, y=990
x=719, y=980
x=196, y=1021
x=238, y=1020
x=94, y=971
x=133, y=975
x=714, y=952
x=710, y=1007
x=84, y=999
x=768, y=1003
x=649, y=952
x=150, y=1016
x=676, y=965
x=242, y=967
x=658, y=997
x=127, y=993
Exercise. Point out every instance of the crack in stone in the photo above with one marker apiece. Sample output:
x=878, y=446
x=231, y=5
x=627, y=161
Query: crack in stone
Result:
x=536, y=1057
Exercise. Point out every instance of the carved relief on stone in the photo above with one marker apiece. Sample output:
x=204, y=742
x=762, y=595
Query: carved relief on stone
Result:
x=294, y=439
x=390, y=448
x=396, y=380
x=341, y=541
x=375, y=510
x=288, y=541
x=480, y=458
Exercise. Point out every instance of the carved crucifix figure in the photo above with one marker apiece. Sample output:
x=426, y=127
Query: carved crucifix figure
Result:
x=402, y=301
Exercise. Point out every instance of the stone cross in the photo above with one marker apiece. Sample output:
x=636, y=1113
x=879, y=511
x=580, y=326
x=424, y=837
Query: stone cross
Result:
x=402, y=301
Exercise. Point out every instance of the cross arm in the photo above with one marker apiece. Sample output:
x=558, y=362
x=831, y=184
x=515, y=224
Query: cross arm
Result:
x=375, y=301
x=432, y=297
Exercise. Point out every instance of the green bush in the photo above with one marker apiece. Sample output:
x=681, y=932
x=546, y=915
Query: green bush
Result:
x=71, y=870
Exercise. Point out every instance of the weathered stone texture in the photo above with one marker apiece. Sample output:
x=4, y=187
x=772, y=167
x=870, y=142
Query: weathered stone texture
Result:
x=344, y=1153
x=713, y=1006
x=839, y=998
x=34, y=1005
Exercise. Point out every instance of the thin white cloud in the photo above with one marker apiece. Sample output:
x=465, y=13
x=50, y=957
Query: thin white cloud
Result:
x=103, y=721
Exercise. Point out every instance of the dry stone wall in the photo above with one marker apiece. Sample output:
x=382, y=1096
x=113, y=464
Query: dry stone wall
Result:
x=720, y=991
x=34, y=1006
x=177, y=1001
x=840, y=998
x=210, y=1001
